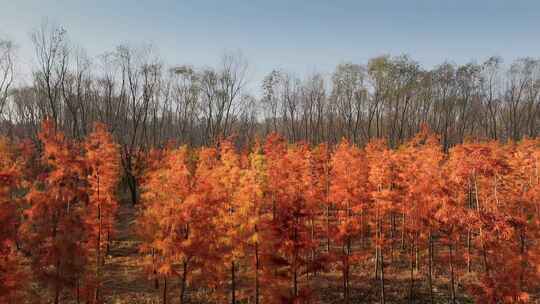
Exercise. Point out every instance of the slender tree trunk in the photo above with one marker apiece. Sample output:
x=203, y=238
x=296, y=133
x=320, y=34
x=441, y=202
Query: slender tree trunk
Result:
x=452, y=285
x=154, y=270
x=233, y=283
x=346, y=272
x=377, y=262
x=183, y=283
x=108, y=249
x=417, y=254
x=57, y=284
x=257, y=272
x=524, y=261
x=98, y=253
x=295, y=262
x=483, y=245
x=327, y=228
x=313, y=253
x=79, y=291
x=430, y=267
x=392, y=232
x=382, y=279
x=273, y=208
x=165, y=290
x=403, y=232
x=411, y=269
x=57, y=295
x=132, y=185
x=382, y=261
x=377, y=249
x=469, y=250
x=362, y=233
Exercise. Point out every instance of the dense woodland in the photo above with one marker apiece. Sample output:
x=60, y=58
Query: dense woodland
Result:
x=388, y=182
x=275, y=223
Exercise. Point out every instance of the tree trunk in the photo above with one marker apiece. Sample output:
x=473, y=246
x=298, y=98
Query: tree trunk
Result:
x=295, y=262
x=328, y=228
x=108, y=249
x=165, y=290
x=362, y=233
x=183, y=282
x=417, y=254
x=233, y=284
x=57, y=284
x=257, y=272
x=98, y=252
x=392, y=236
x=79, y=291
x=377, y=261
x=411, y=269
x=154, y=270
x=382, y=262
x=452, y=288
x=132, y=185
x=469, y=250
x=346, y=272
x=403, y=232
x=430, y=267
x=313, y=252
x=382, y=278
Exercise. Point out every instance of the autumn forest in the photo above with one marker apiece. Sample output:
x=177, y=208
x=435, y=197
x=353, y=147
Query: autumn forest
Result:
x=126, y=180
x=275, y=222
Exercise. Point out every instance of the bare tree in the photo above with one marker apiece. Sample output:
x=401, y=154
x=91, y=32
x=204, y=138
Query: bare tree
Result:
x=349, y=93
x=6, y=71
x=52, y=53
x=74, y=87
x=489, y=90
x=221, y=91
x=313, y=107
x=185, y=90
x=270, y=100
x=140, y=72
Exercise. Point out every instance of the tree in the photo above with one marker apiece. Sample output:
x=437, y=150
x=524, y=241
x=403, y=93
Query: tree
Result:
x=103, y=165
x=221, y=92
x=54, y=228
x=165, y=222
x=7, y=67
x=421, y=181
x=349, y=92
x=381, y=178
x=13, y=278
x=251, y=220
x=349, y=192
x=52, y=53
x=224, y=180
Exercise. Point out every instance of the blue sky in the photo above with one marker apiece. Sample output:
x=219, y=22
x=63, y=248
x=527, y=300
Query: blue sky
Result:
x=301, y=36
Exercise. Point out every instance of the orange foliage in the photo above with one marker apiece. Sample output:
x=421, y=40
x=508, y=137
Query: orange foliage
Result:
x=12, y=275
x=55, y=227
x=103, y=166
x=264, y=226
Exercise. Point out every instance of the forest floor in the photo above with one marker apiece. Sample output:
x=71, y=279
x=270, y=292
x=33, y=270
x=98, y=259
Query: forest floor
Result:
x=124, y=277
x=126, y=280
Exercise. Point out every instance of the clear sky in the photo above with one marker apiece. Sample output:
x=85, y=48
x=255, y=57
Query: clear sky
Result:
x=301, y=36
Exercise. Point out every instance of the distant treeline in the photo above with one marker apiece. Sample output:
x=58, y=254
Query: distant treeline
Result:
x=148, y=103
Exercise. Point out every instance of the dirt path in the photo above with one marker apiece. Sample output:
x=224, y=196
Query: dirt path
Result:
x=124, y=277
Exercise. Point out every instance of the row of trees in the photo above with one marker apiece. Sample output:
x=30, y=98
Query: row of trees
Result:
x=147, y=103
x=265, y=225
x=57, y=210
x=271, y=224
